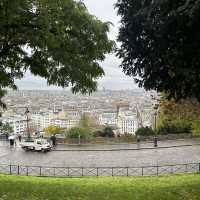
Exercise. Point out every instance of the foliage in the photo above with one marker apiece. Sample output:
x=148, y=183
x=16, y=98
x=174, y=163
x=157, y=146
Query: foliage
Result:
x=177, y=117
x=174, y=127
x=56, y=40
x=89, y=123
x=106, y=132
x=160, y=45
x=75, y=132
x=144, y=131
x=52, y=129
x=177, y=187
x=6, y=128
x=196, y=128
x=98, y=133
x=186, y=110
x=127, y=137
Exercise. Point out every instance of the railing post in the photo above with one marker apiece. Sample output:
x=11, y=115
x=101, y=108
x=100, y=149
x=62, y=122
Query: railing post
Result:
x=40, y=171
x=172, y=169
x=26, y=170
x=186, y=168
x=68, y=171
x=54, y=171
x=157, y=170
x=82, y=171
x=127, y=171
x=18, y=169
x=112, y=171
x=10, y=166
x=142, y=171
x=199, y=167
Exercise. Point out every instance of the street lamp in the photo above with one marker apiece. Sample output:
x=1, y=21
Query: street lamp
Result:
x=155, y=128
x=156, y=106
x=27, y=122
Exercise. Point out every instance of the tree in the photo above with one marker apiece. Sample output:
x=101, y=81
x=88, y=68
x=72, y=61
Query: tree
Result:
x=77, y=132
x=177, y=117
x=52, y=129
x=89, y=123
x=144, y=131
x=85, y=122
x=107, y=132
x=196, y=128
x=186, y=110
x=56, y=40
x=160, y=45
x=6, y=128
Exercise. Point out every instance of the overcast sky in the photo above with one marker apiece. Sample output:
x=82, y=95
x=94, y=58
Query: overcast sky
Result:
x=114, y=78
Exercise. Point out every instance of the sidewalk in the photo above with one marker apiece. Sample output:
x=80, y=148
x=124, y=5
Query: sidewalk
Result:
x=127, y=146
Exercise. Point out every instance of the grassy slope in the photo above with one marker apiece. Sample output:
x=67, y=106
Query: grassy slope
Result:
x=180, y=187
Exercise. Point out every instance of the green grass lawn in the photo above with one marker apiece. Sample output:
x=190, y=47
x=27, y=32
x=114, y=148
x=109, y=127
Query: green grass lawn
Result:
x=177, y=187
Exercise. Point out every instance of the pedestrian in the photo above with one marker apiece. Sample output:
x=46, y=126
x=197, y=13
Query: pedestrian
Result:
x=138, y=141
x=15, y=142
x=155, y=141
x=20, y=138
x=53, y=140
x=11, y=142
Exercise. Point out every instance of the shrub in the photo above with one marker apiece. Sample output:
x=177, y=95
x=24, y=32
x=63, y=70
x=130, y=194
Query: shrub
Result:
x=52, y=129
x=106, y=132
x=128, y=136
x=175, y=127
x=98, y=133
x=145, y=131
x=76, y=132
x=196, y=128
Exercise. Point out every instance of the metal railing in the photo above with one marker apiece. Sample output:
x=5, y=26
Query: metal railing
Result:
x=98, y=171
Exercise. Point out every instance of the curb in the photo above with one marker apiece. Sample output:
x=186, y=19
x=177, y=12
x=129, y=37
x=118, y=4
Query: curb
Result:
x=132, y=149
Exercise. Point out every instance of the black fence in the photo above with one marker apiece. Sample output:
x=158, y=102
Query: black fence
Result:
x=99, y=171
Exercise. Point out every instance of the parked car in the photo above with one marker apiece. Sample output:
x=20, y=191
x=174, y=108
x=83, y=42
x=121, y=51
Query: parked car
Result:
x=36, y=145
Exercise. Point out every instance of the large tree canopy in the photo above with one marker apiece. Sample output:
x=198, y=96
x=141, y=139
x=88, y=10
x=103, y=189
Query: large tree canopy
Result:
x=160, y=45
x=57, y=40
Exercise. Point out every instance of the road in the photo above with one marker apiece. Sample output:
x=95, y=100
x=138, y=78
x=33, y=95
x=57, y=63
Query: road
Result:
x=72, y=157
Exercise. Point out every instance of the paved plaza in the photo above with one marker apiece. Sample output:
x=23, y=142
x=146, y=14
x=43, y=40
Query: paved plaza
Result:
x=187, y=151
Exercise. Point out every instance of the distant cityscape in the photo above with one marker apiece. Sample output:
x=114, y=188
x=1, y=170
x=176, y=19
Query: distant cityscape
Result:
x=126, y=110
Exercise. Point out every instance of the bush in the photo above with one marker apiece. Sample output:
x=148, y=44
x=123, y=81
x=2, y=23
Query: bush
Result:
x=175, y=127
x=97, y=133
x=128, y=136
x=76, y=132
x=145, y=131
x=196, y=128
x=52, y=129
x=106, y=132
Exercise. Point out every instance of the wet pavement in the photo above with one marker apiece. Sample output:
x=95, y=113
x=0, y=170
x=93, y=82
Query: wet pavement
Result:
x=121, y=155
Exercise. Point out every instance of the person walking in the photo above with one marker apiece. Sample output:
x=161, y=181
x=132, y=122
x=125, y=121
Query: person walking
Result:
x=11, y=140
x=53, y=140
x=138, y=141
x=20, y=138
x=155, y=141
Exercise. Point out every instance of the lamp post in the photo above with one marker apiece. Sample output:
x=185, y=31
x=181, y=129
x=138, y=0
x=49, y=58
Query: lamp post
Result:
x=156, y=105
x=27, y=122
x=155, y=127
